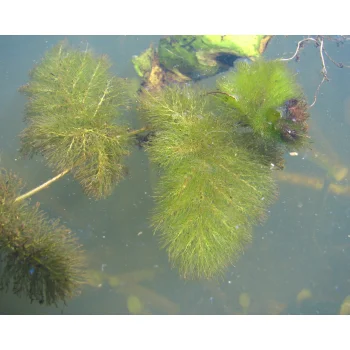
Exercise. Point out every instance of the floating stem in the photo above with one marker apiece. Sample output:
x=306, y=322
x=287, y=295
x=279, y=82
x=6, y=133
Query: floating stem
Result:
x=41, y=187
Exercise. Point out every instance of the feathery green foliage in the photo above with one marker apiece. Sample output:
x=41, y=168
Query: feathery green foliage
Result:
x=39, y=257
x=215, y=149
x=212, y=189
x=269, y=100
x=73, y=104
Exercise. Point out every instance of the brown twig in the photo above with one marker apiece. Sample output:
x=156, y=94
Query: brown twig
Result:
x=299, y=46
x=319, y=42
x=317, y=91
x=44, y=185
x=338, y=64
x=324, y=69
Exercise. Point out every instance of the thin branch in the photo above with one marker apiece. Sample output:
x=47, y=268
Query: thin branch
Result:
x=324, y=69
x=300, y=45
x=338, y=64
x=319, y=42
x=139, y=131
x=317, y=91
x=41, y=187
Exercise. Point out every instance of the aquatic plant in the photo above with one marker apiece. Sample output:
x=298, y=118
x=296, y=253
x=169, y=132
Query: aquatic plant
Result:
x=269, y=100
x=74, y=118
x=215, y=149
x=212, y=188
x=39, y=257
x=182, y=58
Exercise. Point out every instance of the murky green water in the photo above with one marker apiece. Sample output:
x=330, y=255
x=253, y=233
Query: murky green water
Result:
x=304, y=244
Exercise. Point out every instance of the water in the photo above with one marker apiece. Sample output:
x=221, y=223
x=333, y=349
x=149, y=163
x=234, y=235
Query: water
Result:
x=304, y=244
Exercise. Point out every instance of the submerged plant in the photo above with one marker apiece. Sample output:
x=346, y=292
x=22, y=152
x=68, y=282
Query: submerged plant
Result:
x=39, y=257
x=215, y=149
x=212, y=189
x=74, y=103
x=269, y=100
x=216, y=157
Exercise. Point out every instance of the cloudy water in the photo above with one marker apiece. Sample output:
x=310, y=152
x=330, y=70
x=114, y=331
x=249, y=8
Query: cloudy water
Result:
x=299, y=260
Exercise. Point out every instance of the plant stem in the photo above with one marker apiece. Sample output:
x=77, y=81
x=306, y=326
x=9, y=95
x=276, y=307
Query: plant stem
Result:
x=138, y=131
x=41, y=187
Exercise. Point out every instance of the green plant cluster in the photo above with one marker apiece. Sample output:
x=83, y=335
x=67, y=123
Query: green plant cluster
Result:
x=267, y=98
x=216, y=151
x=212, y=189
x=74, y=103
x=39, y=257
